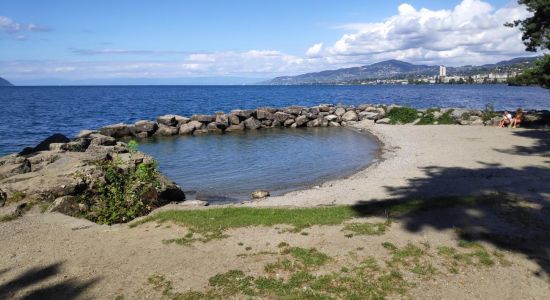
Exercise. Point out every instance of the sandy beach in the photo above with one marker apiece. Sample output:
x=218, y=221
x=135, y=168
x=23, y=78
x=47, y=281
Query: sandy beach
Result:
x=52, y=256
x=439, y=160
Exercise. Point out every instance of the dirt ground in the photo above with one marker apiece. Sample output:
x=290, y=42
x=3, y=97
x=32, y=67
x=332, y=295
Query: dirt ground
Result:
x=52, y=256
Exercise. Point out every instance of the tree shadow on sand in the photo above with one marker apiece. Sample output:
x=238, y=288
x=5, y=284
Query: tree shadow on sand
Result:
x=36, y=280
x=504, y=206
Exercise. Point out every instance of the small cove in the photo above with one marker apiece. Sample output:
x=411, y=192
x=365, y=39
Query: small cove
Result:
x=227, y=168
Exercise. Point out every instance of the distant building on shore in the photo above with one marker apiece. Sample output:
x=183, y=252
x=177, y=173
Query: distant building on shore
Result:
x=442, y=71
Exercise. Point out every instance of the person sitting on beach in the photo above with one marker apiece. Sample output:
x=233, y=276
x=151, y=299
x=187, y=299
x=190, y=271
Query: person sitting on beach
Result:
x=518, y=118
x=506, y=119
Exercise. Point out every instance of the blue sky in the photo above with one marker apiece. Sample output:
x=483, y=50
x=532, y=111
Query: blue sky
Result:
x=258, y=39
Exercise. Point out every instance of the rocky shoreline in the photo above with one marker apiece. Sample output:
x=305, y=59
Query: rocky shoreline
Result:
x=324, y=115
x=82, y=176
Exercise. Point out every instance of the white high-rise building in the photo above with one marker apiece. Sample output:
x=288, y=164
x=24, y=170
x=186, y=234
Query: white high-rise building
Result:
x=442, y=71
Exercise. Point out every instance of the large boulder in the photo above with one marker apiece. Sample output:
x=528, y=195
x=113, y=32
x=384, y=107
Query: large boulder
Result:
x=294, y=110
x=222, y=121
x=146, y=127
x=314, y=123
x=168, y=120
x=98, y=139
x=65, y=204
x=165, y=130
x=288, y=122
x=383, y=121
x=331, y=118
x=264, y=114
x=238, y=127
x=244, y=114
x=301, y=121
x=340, y=111
x=350, y=116
x=281, y=116
x=203, y=118
x=117, y=130
x=189, y=128
x=252, y=123
x=368, y=115
x=213, y=128
x=45, y=144
x=234, y=119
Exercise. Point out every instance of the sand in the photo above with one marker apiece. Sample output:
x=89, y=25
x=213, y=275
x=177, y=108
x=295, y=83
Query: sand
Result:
x=52, y=256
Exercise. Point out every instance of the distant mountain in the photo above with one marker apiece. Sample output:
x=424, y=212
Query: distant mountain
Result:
x=391, y=69
x=4, y=82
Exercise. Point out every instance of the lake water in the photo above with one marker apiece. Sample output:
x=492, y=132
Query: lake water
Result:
x=30, y=114
x=227, y=168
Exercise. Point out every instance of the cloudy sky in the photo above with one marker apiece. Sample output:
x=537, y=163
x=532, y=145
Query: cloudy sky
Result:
x=125, y=39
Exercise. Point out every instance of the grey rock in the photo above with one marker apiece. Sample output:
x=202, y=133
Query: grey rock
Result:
x=264, y=114
x=85, y=133
x=203, y=118
x=194, y=203
x=383, y=121
x=314, y=123
x=57, y=147
x=334, y=124
x=301, y=121
x=281, y=116
x=238, y=127
x=350, y=116
x=324, y=108
x=368, y=115
x=201, y=131
x=234, y=119
x=258, y=194
x=213, y=128
x=186, y=129
x=288, y=122
x=242, y=113
x=98, y=139
x=294, y=110
x=65, y=205
x=45, y=144
x=252, y=123
x=331, y=118
x=222, y=120
x=340, y=111
x=165, y=130
x=180, y=120
x=146, y=126
x=168, y=120
x=116, y=130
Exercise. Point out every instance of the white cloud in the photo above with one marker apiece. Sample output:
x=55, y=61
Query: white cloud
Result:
x=9, y=25
x=470, y=33
x=14, y=28
x=314, y=50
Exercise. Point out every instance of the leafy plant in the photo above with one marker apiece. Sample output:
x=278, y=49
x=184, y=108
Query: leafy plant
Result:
x=133, y=146
x=402, y=115
x=125, y=193
x=488, y=113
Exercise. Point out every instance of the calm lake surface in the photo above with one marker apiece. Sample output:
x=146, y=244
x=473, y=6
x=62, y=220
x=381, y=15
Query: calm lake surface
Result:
x=227, y=168
x=30, y=114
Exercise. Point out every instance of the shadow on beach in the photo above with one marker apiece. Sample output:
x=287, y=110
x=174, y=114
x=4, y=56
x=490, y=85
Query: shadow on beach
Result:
x=507, y=207
x=38, y=282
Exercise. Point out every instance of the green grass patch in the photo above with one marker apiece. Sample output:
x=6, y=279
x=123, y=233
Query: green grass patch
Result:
x=309, y=257
x=367, y=228
x=402, y=115
x=217, y=220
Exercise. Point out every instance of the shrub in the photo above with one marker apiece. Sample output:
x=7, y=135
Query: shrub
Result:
x=488, y=113
x=125, y=193
x=402, y=115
